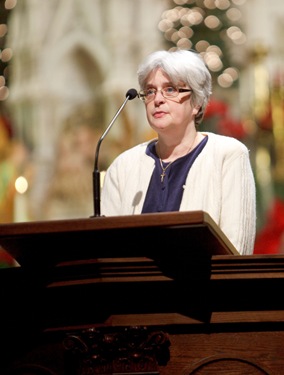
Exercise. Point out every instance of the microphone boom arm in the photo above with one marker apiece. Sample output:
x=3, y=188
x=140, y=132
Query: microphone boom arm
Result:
x=131, y=94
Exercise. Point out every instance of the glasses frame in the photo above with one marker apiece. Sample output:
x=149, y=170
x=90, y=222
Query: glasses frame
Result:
x=142, y=95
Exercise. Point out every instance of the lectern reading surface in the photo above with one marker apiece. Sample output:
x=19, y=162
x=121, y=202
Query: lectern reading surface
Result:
x=49, y=242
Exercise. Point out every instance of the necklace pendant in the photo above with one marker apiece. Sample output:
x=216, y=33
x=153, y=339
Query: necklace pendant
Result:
x=162, y=176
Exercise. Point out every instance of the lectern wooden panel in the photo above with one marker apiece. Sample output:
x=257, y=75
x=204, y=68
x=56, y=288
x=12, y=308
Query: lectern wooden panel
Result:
x=188, y=304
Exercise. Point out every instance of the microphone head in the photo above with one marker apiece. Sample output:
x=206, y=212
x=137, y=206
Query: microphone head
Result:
x=131, y=94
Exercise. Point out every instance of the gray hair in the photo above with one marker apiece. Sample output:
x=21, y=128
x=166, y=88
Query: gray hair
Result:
x=181, y=66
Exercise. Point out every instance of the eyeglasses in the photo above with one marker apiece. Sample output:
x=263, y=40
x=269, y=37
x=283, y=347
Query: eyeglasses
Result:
x=167, y=92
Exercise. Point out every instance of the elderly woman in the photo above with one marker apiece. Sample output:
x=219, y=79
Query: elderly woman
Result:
x=183, y=169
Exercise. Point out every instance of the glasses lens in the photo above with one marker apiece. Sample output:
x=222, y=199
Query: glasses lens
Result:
x=170, y=92
x=142, y=96
x=147, y=95
x=167, y=92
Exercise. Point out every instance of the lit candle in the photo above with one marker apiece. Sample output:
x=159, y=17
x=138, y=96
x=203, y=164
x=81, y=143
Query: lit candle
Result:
x=20, y=203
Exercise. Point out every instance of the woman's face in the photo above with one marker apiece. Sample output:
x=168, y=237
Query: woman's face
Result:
x=168, y=114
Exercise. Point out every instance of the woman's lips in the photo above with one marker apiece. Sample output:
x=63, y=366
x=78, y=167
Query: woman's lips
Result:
x=159, y=114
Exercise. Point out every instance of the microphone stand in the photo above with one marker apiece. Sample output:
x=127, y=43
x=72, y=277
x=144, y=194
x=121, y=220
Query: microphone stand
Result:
x=131, y=94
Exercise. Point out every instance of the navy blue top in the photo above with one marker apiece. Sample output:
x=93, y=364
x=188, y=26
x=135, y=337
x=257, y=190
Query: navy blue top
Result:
x=166, y=196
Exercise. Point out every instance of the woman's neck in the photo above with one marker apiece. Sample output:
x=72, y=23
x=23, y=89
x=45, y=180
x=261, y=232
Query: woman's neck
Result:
x=171, y=152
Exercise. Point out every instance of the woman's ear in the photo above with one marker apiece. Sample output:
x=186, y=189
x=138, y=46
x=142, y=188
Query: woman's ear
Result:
x=196, y=109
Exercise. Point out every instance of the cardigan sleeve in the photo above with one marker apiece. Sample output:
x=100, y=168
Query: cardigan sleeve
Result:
x=238, y=200
x=126, y=182
x=221, y=183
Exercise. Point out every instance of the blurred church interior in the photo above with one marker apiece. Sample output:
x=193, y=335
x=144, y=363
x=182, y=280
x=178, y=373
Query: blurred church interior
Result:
x=66, y=65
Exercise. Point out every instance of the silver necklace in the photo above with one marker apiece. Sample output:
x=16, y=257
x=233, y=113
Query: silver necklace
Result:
x=163, y=174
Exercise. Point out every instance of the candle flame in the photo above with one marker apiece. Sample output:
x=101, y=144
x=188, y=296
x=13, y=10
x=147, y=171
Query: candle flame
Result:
x=21, y=185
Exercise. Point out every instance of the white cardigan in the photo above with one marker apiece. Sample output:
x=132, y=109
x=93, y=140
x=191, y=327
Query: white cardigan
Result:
x=220, y=182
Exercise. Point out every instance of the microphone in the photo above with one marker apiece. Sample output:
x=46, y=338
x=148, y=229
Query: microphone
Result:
x=131, y=94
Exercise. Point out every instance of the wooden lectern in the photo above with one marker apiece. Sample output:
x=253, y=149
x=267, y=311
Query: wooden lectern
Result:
x=144, y=294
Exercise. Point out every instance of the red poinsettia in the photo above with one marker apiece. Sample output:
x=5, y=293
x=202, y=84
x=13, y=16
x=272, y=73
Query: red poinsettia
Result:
x=270, y=240
x=225, y=124
x=216, y=108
